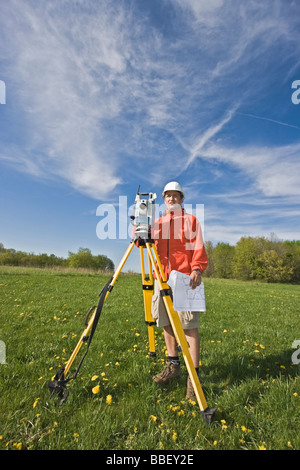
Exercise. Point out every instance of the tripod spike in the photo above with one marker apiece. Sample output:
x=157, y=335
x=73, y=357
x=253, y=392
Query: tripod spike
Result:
x=208, y=415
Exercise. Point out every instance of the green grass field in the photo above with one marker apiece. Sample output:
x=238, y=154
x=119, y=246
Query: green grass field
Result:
x=246, y=369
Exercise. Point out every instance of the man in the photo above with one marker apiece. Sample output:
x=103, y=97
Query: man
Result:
x=179, y=243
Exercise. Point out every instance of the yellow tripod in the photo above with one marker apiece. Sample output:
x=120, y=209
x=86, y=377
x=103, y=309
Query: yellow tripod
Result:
x=58, y=384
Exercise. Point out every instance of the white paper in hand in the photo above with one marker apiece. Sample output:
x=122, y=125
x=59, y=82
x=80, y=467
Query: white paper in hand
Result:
x=184, y=297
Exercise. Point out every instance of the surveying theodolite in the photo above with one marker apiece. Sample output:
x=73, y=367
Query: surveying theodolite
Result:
x=143, y=221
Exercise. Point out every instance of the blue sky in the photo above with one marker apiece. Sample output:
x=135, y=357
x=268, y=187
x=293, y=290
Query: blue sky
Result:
x=102, y=96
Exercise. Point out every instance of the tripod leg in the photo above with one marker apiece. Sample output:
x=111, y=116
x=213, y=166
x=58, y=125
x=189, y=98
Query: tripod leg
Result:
x=147, y=294
x=90, y=323
x=207, y=413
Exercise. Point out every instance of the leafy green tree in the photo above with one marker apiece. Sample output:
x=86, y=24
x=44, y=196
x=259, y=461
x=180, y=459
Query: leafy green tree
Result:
x=273, y=268
x=292, y=257
x=103, y=263
x=222, y=257
x=245, y=262
x=84, y=259
x=209, y=248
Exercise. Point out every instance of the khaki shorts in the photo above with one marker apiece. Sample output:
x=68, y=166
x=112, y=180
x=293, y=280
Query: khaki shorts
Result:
x=188, y=319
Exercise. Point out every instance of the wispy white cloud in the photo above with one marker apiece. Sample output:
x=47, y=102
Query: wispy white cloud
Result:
x=100, y=88
x=264, y=118
x=62, y=99
x=230, y=216
x=201, y=141
x=274, y=170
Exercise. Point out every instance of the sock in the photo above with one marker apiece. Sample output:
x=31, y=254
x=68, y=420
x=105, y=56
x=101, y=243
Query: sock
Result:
x=174, y=360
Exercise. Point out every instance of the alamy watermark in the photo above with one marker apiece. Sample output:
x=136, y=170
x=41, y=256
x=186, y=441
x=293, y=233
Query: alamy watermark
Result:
x=296, y=354
x=2, y=92
x=115, y=220
x=296, y=94
x=2, y=352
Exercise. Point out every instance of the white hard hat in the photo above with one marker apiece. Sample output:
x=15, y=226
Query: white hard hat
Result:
x=173, y=186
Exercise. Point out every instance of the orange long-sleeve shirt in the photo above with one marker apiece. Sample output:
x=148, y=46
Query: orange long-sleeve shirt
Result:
x=179, y=242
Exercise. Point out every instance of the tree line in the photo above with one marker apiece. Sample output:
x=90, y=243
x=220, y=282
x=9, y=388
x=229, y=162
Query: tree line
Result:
x=252, y=258
x=82, y=259
x=260, y=258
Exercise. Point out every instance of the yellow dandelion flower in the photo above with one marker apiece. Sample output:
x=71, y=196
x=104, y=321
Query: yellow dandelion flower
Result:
x=35, y=402
x=262, y=448
x=175, y=436
x=95, y=377
x=76, y=434
x=154, y=418
x=244, y=429
x=96, y=389
x=109, y=399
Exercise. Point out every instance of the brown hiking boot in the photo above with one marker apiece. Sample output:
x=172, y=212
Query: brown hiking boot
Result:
x=170, y=371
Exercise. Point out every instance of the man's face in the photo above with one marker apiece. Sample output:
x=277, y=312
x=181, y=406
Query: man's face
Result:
x=171, y=198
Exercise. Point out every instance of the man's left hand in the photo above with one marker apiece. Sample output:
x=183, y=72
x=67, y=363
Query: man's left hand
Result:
x=195, y=279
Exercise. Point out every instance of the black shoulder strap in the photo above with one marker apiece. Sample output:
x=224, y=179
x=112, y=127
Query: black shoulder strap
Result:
x=102, y=295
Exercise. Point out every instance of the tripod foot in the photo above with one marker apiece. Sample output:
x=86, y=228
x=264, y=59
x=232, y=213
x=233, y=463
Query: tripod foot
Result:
x=57, y=386
x=208, y=415
x=57, y=389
